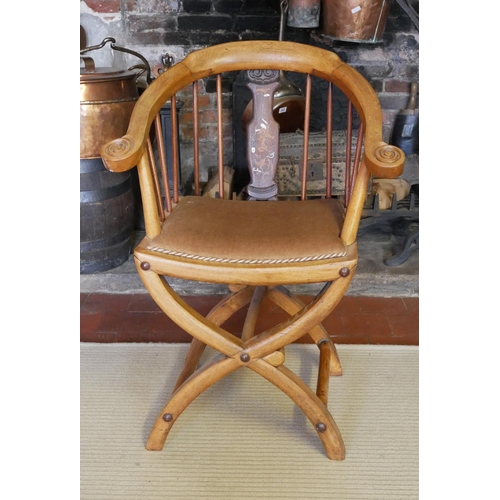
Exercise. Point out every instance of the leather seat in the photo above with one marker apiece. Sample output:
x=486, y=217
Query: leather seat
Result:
x=243, y=232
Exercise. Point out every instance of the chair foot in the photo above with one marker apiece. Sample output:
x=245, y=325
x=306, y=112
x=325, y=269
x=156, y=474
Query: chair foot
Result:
x=195, y=385
x=335, y=366
x=314, y=409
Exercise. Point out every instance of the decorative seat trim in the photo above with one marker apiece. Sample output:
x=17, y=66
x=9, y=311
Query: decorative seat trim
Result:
x=245, y=261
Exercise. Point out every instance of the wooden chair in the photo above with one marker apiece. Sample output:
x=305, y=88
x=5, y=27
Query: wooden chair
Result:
x=256, y=248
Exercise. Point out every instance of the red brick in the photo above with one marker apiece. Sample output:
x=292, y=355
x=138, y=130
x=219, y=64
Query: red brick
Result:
x=90, y=322
x=411, y=338
x=397, y=86
x=204, y=102
x=103, y=6
x=267, y=321
x=100, y=338
x=333, y=325
x=403, y=326
x=411, y=303
x=203, y=304
x=124, y=322
x=380, y=305
x=235, y=323
x=103, y=302
x=350, y=339
x=304, y=340
x=366, y=324
x=383, y=340
x=143, y=302
x=160, y=324
x=269, y=307
x=186, y=118
x=306, y=299
x=357, y=320
x=347, y=305
x=186, y=133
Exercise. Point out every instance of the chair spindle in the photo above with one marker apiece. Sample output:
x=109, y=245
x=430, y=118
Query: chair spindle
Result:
x=348, y=145
x=156, y=183
x=175, y=149
x=196, y=138
x=329, y=113
x=220, y=162
x=163, y=162
x=305, y=157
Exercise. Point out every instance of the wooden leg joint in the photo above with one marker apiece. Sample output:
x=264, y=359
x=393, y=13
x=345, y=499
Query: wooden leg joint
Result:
x=276, y=358
x=292, y=305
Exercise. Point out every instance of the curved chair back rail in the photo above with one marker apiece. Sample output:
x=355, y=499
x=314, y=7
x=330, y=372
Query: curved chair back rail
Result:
x=381, y=159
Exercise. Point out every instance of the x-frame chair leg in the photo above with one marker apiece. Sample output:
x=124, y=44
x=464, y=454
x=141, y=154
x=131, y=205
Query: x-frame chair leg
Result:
x=237, y=353
x=218, y=315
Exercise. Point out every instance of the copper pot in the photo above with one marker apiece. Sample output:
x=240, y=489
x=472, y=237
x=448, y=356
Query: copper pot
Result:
x=107, y=98
x=355, y=20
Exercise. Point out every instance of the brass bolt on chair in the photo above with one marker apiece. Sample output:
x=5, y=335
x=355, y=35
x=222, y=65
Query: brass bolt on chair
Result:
x=256, y=248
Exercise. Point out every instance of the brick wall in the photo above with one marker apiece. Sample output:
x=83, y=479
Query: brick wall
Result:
x=156, y=27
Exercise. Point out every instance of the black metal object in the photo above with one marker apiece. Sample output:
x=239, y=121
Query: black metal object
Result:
x=406, y=210
x=405, y=131
x=410, y=244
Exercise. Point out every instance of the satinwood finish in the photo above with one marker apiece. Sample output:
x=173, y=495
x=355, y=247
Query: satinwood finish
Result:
x=255, y=260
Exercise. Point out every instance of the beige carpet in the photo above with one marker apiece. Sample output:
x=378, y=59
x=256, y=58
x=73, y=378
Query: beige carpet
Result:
x=243, y=438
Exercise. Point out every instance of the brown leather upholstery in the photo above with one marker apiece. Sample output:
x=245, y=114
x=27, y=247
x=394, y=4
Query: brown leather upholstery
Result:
x=246, y=232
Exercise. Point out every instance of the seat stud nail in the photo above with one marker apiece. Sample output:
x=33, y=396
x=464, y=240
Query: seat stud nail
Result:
x=344, y=272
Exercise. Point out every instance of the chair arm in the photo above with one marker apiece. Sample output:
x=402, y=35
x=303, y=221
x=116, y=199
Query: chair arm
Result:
x=383, y=160
x=120, y=155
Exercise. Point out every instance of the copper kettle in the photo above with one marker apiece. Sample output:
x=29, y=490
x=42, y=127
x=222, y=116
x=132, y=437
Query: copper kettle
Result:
x=107, y=98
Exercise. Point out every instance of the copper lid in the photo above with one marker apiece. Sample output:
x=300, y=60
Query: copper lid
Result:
x=92, y=74
x=105, y=74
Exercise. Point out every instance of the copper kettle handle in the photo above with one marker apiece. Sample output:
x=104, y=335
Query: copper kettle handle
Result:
x=89, y=64
x=122, y=49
